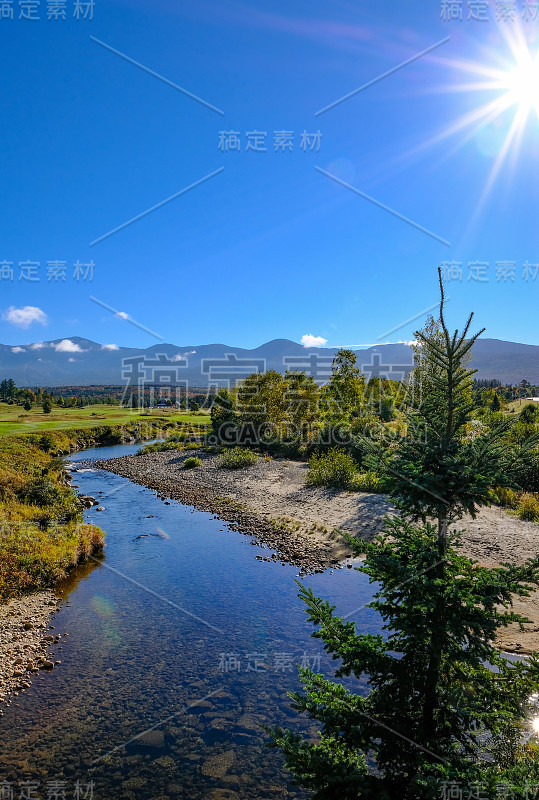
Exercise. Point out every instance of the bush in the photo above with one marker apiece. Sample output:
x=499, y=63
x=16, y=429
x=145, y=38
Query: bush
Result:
x=192, y=461
x=48, y=442
x=528, y=508
x=160, y=447
x=42, y=492
x=505, y=497
x=528, y=415
x=237, y=458
x=368, y=482
x=336, y=469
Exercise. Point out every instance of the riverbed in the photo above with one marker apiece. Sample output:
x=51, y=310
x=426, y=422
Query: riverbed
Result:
x=181, y=643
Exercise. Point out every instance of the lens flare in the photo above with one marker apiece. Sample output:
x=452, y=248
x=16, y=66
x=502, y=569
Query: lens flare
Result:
x=103, y=606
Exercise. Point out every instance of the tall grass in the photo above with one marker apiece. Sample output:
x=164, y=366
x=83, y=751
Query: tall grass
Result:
x=42, y=532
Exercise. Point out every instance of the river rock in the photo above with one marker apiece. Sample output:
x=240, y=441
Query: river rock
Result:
x=223, y=794
x=249, y=723
x=153, y=740
x=218, y=765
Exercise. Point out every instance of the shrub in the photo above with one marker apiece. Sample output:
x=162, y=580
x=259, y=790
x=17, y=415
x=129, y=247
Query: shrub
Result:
x=336, y=469
x=42, y=492
x=192, y=461
x=160, y=447
x=505, y=497
x=47, y=442
x=112, y=435
x=237, y=458
x=368, y=482
x=528, y=415
x=528, y=508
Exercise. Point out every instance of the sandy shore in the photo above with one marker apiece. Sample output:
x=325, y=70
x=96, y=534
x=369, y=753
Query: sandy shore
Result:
x=26, y=639
x=299, y=524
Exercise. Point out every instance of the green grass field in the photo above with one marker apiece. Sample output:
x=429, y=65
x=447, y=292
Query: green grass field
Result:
x=518, y=405
x=15, y=420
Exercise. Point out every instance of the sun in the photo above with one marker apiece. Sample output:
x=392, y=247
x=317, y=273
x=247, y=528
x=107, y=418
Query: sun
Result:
x=523, y=83
x=502, y=86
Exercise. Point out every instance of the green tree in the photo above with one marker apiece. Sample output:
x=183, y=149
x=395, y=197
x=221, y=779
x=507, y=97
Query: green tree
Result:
x=224, y=415
x=302, y=403
x=528, y=415
x=262, y=406
x=346, y=388
x=47, y=408
x=27, y=405
x=387, y=408
x=434, y=711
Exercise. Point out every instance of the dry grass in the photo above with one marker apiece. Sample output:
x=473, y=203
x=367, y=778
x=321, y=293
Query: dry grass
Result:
x=42, y=533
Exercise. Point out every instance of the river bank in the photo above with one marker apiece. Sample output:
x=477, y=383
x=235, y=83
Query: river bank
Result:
x=300, y=524
x=26, y=639
x=268, y=501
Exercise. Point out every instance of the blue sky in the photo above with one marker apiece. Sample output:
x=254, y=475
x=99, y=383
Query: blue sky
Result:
x=270, y=246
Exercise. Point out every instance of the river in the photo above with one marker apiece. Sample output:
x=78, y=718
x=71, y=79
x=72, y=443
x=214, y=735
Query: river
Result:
x=180, y=644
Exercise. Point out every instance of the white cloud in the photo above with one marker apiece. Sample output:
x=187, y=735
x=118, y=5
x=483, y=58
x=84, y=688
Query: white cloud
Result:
x=181, y=356
x=18, y=350
x=71, y=360
x=24, y=317
x=67, y=346
x=308, y=340
x=109, y=347
x=122, y=315
x=37, y=346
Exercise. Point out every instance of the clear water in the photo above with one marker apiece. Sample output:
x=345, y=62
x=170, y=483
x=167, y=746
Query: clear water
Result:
x=179, y=629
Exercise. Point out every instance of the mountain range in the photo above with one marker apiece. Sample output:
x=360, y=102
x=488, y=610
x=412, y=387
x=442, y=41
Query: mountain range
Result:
x=82, y=362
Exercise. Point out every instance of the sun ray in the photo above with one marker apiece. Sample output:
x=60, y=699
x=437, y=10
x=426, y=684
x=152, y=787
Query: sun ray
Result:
x=503, y=83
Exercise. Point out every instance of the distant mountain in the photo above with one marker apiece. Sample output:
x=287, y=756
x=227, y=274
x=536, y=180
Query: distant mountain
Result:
x=82, y=362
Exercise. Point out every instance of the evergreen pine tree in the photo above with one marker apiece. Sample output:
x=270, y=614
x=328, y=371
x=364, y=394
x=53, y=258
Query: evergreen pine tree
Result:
x=443, y=707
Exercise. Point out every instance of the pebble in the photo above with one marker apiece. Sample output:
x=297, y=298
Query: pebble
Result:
x=23, y=647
